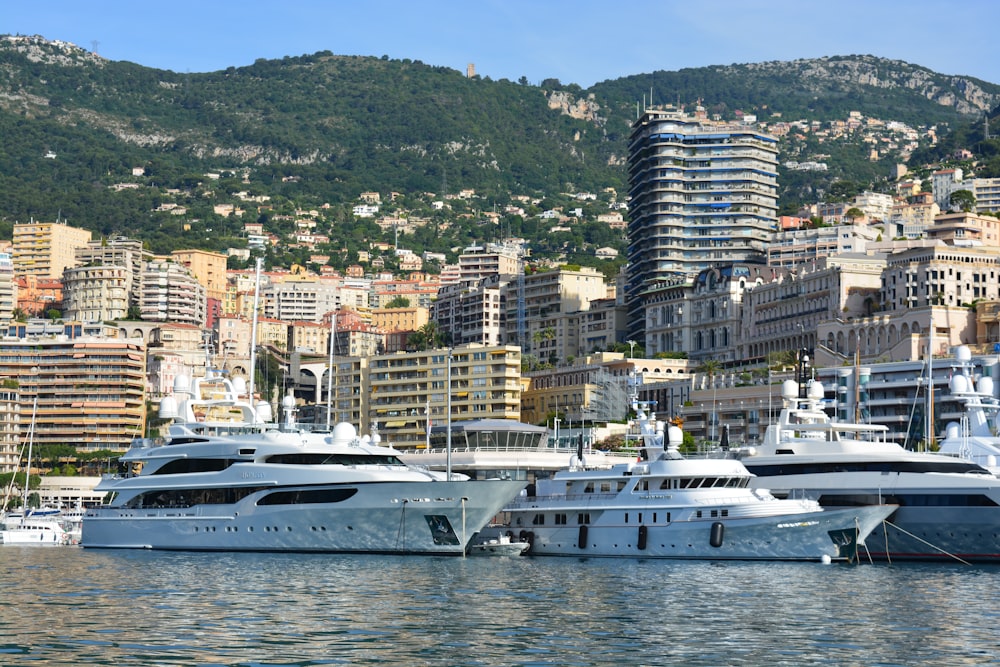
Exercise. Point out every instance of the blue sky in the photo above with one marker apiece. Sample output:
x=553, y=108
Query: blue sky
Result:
x=575, y=41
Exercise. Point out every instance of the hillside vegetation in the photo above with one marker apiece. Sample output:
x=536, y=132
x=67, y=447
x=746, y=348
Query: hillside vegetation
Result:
x=320, y=129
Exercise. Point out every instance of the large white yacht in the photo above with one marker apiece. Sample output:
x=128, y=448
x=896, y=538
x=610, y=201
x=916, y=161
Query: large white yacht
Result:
x=949, y=508
x=228, y=480
x=667, y=506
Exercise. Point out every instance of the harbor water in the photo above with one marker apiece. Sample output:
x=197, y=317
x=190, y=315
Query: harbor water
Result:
x=71, y=606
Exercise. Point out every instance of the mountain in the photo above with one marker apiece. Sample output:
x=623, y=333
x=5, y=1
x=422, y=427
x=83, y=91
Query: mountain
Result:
x=324, y=128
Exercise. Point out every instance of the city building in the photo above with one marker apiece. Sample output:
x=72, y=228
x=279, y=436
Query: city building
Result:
x=46, y=249
x=97, y=293
x=792, y=247
x=472, y=311
x=170, y=293
x=11, y=434
x=409, y=389
x=209, y=268
x=702, y=193
x=539, y=309
x=90, y=390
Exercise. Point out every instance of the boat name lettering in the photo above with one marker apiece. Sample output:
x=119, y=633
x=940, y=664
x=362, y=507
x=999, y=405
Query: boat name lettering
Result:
x=253, y=475
x=797, y=524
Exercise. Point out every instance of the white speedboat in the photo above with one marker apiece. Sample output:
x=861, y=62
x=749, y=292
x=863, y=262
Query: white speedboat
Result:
x=974, y=436
x=227, y=481
x=503, y=544
x=949, y=508
x=667, y=506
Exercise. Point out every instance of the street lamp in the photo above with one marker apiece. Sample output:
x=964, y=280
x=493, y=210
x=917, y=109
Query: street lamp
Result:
x=631, y=346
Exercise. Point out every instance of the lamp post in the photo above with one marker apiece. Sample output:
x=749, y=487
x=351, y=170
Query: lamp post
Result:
x=631, y=347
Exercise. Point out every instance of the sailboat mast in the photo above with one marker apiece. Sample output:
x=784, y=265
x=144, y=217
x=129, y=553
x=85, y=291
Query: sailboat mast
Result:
x=27, y=467
x=930, y=384
x=253, y=333
x=329, y=379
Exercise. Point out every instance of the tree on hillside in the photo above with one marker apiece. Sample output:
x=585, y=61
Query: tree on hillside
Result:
x=963, y=200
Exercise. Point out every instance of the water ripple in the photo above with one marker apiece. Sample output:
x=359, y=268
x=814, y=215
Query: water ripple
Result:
x=82, y=607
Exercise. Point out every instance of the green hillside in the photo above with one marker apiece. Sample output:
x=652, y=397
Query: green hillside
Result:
x=323, y=128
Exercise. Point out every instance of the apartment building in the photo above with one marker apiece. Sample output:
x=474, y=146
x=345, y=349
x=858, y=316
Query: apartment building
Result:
x=11, y=435
x=209, y=268
x=472, y=311
x=170, y=293
x=300, y=300
x=408, y=389
x=97, y=293
x=965, y=229
x=90, y=391
x=46, y=249
x=702, y=193
x=538, y=304
x=8, y=288
x=911, y=219
x=783, y=315
x=790, y=248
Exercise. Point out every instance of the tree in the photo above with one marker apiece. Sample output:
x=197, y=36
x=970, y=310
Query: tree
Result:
x=427, y=337
x=963, y=200
x=853, y=213
x=398, y=302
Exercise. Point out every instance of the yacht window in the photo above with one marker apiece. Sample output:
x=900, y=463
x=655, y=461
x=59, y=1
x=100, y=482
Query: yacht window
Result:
x=583, y=517
x=665, y=484
x=605, y=487
x=626, y=517
x=191, y=497
x=560, y=519
x=307, y=496
x=589, y=488
x=181, y=466
x=340, y=459
x=621, y=484
x=539, y=520
x=641, y=485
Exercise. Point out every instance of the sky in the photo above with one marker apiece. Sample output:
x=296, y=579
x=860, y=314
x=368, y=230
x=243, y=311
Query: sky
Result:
x=575, y=41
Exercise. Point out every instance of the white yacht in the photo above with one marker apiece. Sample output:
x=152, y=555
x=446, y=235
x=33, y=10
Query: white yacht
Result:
x=974, y=437
x=667, y=506
x=948, y=508
x=35, y=531
x=227, y=480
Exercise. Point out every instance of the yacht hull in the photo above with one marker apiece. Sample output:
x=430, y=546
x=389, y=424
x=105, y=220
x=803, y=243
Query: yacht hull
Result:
x=437, y=517
x=808, y=536
x=962, y=523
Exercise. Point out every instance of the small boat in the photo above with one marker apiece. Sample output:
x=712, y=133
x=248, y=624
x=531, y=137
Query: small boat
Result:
x=44, y=531
x=501, y=545
x=33, y=527
x=667, y=506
